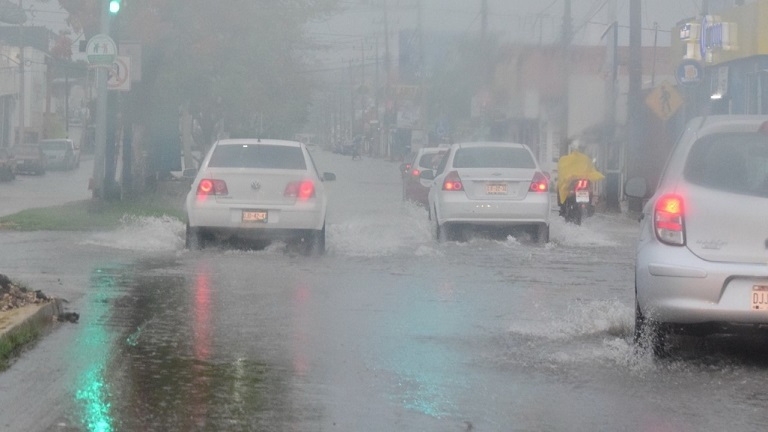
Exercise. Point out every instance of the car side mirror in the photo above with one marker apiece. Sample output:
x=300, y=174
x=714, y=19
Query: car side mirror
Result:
x=329, y=176
x=636, y=187
x=427, y=175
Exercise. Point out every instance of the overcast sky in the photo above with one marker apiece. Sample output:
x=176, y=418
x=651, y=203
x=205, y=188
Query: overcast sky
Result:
x=530, y=21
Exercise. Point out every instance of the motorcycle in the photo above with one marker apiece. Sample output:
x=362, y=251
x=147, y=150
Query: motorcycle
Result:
x=578, y=204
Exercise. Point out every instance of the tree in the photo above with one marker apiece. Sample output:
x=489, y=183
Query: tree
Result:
x=230, y=65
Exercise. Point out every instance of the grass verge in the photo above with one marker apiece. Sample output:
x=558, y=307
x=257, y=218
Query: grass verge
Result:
x=90, y=215
x=12, y=344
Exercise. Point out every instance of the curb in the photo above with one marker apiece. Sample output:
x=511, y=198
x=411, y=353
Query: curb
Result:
x=25, y=325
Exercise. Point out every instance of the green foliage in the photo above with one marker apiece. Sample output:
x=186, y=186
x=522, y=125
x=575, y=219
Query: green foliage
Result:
x=89, y=215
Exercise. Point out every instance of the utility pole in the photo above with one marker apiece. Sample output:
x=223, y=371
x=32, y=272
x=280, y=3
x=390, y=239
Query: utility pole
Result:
x=387, y=85
x=99, y=155
x=484, y=14
x=565, y=45
x=611, y=157
x=22, y=94
x=635, y=122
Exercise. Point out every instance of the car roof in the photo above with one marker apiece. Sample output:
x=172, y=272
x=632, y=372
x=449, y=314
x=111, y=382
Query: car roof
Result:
x=726, y=123
x=488, y=144
x=253, y=141
x=424, y=150
x=54, y=139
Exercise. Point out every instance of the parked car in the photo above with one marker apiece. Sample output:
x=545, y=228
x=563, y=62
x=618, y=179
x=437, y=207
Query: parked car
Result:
x=425, y=158
x=495, y=185
x=7, y=165
x=30, y=158
x=703, y=245
x=258, y=189
x=62, y=153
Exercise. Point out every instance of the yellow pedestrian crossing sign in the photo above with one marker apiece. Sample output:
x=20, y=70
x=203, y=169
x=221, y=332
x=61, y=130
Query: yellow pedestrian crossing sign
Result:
x=664, y=101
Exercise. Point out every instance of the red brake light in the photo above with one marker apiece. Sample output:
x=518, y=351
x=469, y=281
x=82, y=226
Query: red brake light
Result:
x=416, y=173
x=212, y=187
x=582, y=184
x=539, y=183
x=669, y=221
x=302, y=190
x=452, y=182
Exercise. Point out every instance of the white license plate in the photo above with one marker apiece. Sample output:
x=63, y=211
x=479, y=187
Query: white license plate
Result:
x=496, y=189
x=759, y=297
x=582, y=196
x=255, y=216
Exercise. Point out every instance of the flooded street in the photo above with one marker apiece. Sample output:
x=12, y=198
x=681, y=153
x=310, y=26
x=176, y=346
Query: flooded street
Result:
x=389, y=330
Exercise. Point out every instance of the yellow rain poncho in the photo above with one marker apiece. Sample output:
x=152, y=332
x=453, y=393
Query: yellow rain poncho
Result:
x=573, y=166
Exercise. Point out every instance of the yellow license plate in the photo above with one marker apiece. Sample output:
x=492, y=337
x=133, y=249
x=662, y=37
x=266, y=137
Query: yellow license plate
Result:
x=496, y=189
x=759, y=297
x=255, y=216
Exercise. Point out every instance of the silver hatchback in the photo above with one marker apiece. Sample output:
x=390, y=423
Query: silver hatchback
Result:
x=702, y=255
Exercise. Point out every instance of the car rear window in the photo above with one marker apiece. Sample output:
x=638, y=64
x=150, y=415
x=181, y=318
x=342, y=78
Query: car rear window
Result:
x=493, y=157
x=733, y=162
x=258, y=156
x=54, y=145
x=430, y=160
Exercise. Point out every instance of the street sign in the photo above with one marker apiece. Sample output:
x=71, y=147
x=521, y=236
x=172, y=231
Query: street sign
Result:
x=120, y=74
x=664, y=101
x=101, y=50
x=689, y=73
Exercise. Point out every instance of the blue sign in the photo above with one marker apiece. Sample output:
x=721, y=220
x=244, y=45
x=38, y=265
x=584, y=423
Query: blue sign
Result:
x=689, y=73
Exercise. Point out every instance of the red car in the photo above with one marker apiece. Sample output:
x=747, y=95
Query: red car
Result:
x=426, y=158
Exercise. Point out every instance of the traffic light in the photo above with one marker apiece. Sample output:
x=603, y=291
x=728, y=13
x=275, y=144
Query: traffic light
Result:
x=114, y=7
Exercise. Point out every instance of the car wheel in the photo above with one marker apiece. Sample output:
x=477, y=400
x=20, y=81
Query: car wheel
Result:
x=542, y=234
x=437, y=230
x=194, y=239
x=649, y=334
x=316, y=243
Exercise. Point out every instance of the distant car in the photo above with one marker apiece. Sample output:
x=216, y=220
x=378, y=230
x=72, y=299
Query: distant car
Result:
x=494, y=185
x=62, y=153
x=30, y=158
x=426, y=158
x=258, y=189
x=703, y=246
x=7, y=165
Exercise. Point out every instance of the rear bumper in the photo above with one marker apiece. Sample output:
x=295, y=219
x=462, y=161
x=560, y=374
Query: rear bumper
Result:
x=674, y=286
x=308, y=216
x=534, y=209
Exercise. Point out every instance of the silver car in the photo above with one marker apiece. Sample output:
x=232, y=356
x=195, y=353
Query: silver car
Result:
x=481, y=185
x=702, y=254
x=258, y=190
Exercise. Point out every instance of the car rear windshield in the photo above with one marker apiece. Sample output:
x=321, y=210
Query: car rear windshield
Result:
x=258, y=156
x=493, y=157
x=53, y=145
x=430, y=160
x=733, y=162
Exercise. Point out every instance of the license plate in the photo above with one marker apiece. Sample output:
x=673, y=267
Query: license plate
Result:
x=496, y=189
x=760, y=297
x=582, y=196
x=255, y=216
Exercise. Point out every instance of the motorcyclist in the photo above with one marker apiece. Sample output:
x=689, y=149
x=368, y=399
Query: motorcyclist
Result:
x=575, y=165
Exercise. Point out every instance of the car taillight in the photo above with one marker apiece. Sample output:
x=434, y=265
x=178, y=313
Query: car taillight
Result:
x=539, y=183
x=212, y=187
x=452, y=182
x=581, y=184
x=415, y=173
x=669, y=221
x=302, y=190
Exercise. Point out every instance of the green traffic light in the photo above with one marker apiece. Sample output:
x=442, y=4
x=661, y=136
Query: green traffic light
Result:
x=114, y=6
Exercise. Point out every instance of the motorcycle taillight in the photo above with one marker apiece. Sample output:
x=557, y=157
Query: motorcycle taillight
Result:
x=581, y=184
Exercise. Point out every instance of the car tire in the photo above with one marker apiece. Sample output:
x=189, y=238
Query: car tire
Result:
x=542, y=234
x=316, y=242
x=194, y=239
x=650, y=334
x=437, y=230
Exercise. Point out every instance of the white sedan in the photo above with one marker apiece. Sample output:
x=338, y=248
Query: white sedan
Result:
x=258, y=189
x=494, y=185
